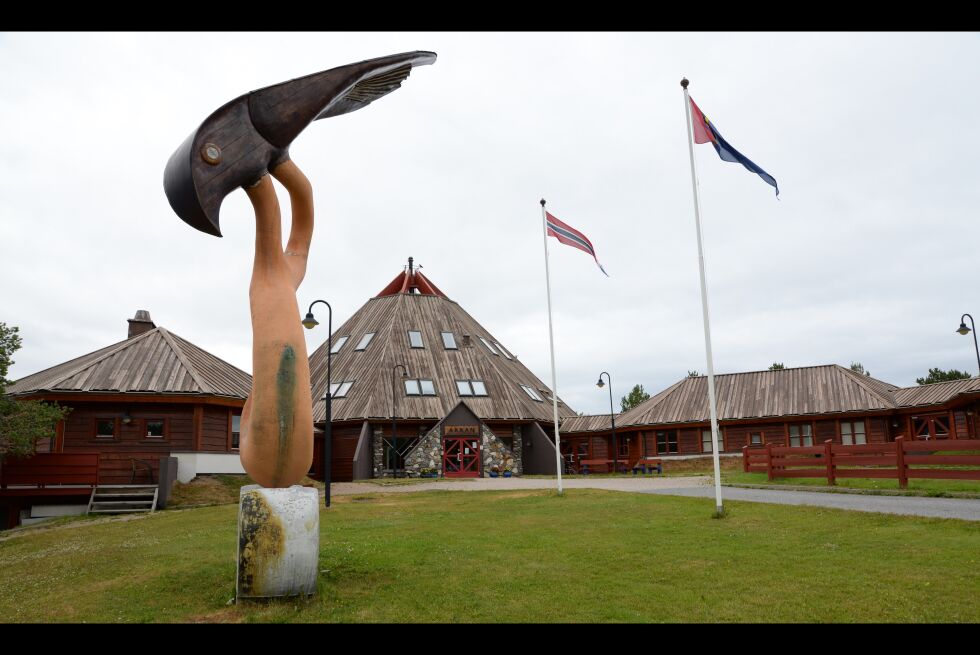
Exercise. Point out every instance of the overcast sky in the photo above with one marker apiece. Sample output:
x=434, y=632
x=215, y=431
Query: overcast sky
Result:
x=869, y=255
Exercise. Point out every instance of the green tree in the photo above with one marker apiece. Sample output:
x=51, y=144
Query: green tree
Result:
x=858, y=367
x=777, y=366
x=22, y=422
x=939, y=375
x=693, y=374
x=634, y=398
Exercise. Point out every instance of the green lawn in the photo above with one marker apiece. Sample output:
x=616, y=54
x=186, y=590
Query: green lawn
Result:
x=916, y=487
x=512, y=556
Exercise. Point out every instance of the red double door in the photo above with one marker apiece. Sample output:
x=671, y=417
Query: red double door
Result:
x=461, y=457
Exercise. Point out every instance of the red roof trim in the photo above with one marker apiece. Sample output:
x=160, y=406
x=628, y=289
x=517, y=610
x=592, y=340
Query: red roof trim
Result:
x=403, y=282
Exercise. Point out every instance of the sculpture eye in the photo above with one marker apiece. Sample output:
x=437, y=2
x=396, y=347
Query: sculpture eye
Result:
x=211, y=154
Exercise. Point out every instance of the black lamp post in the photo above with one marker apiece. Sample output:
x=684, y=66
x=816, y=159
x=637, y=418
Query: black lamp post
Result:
x=612, y=418
x=394, y=418
x=965, y=330
x=309, y=323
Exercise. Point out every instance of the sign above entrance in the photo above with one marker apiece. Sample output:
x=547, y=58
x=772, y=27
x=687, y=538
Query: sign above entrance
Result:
x=460, y=429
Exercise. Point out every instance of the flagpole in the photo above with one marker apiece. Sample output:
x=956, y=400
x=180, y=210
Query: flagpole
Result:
x=704, y=306
x=551, y=341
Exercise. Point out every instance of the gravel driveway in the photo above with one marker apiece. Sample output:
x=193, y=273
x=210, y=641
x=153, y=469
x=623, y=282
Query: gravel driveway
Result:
x=947, y=508
x=503, y=484
x=698, y=487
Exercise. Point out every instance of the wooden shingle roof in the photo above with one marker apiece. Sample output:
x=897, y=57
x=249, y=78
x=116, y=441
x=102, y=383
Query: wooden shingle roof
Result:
x=789, y=392
x=936, y=393
x=390, y=316
x=156, y=361
x=588, y=423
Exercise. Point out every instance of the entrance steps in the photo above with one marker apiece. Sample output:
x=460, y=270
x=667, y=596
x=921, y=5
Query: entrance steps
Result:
x=123, y=498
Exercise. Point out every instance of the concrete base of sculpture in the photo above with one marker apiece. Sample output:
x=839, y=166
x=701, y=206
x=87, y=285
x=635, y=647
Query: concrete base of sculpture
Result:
x=278, y=542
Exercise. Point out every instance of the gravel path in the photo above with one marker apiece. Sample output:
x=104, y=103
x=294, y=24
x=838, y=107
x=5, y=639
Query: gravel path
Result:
x=698, y=487
x=503, y=484
x=947, y=508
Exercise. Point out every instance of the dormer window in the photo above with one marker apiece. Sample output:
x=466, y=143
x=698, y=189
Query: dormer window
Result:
x=449, y=341
x=471, y=387
x=340, y=389
x=419, y=388
x=415, y=339
x=489, y=346
x=532, y=394
x=338, y=344
x=365, y=340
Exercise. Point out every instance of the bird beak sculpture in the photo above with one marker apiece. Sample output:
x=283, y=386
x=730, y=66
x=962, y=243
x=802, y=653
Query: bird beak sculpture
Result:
x=242, y=140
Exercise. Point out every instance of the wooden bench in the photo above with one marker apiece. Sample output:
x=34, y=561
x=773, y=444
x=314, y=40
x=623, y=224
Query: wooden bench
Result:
x=648, y=465
x=587, y=464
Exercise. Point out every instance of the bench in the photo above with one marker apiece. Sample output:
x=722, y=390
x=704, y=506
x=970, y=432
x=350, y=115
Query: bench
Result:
x=648, y=465
x=587, y=464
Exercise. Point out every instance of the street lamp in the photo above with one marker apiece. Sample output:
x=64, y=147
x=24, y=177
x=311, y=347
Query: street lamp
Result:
x=965, y=331
x=612, y=418
x=309, y=323
x=394, y=418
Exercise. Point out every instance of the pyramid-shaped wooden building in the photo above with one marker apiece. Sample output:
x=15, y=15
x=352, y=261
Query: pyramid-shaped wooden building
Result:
x=464, y=404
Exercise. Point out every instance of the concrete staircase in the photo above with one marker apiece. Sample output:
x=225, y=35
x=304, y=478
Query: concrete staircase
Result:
x=123, y=498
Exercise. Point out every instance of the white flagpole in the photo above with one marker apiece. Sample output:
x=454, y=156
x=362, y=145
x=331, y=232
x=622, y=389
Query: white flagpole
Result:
x=551, y=340
x=704, y=306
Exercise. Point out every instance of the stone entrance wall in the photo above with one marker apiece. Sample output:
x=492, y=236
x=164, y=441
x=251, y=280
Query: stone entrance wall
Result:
x=428, y=453
x=496, y=453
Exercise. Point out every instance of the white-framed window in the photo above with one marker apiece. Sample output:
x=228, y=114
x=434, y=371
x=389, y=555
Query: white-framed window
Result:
x=852, y=433
x=801, y=435
x=532, y=394
x=338, y=344
x=706, y=444
x=340, y=389
x=489, y=346
x=449, y=341
x=365, y=340
x=503, y=351
x=415, y=339
x=419, y=387
x=471, y=387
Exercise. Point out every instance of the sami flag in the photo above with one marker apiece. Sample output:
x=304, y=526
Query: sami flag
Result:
x=571, y=237
x=706, y=132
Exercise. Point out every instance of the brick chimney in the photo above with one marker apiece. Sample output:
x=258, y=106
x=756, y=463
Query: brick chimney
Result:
x=140, y=323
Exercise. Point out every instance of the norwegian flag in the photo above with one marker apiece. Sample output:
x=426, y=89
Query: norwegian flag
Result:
x=571, y=237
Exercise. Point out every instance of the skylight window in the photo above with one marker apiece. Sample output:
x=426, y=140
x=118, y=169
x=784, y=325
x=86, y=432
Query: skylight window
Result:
x=449, y=341
x=340, y=389
x=338, y=344
x=502, y=350
x=365, y=340
x=419, y=388
x=415, y=338
x=471, y=388
x=489, y=346
x=532, y=394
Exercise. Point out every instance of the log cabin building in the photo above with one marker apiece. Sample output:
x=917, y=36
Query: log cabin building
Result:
x=150, y=396
x=791, y=407
x=465, y=403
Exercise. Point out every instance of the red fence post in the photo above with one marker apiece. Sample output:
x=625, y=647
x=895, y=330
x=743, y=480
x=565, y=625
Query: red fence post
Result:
x=769, y=460
x=828, y=453
x=903, y=475
x=745, y=459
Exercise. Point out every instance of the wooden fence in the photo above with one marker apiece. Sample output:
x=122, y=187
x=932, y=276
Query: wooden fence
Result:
x=47, y=469
x=899, y=460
